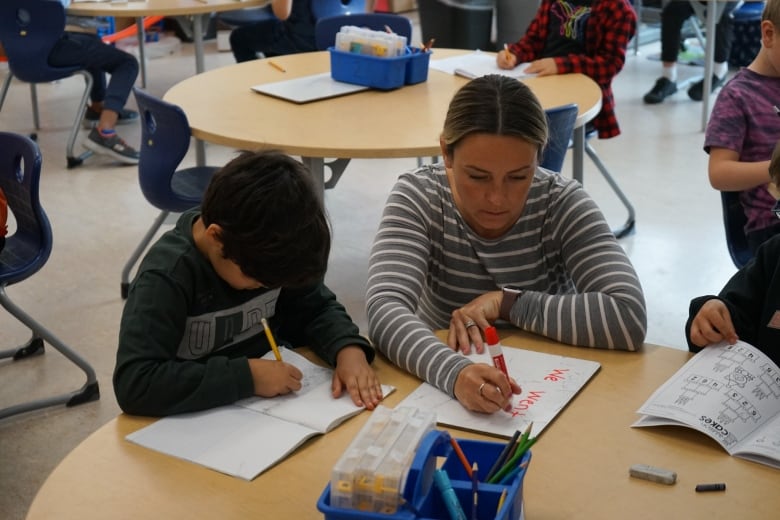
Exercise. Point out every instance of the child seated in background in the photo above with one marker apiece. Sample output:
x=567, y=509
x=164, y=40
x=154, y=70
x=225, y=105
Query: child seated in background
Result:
x=289, y=31
x=585, y=36
x=743, y=129
x=191, y=333
x=748, y=307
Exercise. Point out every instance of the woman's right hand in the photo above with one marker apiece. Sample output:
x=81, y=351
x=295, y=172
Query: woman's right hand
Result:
x=272, y=378
x=506, y=60
x=483, y=388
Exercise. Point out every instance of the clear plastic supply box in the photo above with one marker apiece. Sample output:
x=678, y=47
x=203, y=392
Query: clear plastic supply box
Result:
x=421, y=500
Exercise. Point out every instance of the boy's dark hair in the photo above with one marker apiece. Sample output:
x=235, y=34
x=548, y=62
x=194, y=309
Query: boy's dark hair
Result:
x=273, y=222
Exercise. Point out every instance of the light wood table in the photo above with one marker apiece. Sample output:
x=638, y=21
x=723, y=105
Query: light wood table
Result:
x=406, y=122
x=139, y=9
x=579, y=467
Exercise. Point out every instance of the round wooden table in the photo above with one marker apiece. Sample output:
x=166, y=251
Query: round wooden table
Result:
x=139, y=9
x=222, y=108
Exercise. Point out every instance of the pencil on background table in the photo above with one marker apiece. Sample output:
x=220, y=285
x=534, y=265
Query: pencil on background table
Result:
x=276, y=66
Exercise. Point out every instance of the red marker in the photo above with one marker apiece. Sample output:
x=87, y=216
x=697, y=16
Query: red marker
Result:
x=494, y=348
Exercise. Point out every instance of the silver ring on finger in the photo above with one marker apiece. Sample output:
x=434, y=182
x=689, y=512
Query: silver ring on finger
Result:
x=480, y=389
x=469, y=324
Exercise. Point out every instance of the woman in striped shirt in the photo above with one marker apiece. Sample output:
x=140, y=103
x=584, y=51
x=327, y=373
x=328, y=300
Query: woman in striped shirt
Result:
x=488, y=235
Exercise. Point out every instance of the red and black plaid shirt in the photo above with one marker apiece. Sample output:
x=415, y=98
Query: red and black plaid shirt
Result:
x=611, y=25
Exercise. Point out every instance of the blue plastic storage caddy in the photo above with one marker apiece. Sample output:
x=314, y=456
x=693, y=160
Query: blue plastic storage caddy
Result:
x=379, y=73
x=425, y=499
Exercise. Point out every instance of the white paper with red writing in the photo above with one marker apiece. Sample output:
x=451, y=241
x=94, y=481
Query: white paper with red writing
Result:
x=549, y=382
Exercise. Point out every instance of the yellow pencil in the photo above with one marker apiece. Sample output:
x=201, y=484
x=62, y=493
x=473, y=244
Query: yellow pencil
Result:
x=276, y=66
x=506, y=51
x=501, y=501
x=271, y=339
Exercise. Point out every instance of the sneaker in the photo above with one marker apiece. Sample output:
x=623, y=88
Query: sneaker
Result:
x=663, y=88
x=91, y=117
x=113, y=146
x=697, y=89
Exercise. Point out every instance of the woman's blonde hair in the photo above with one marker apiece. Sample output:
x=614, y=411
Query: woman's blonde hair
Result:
x=496, y=105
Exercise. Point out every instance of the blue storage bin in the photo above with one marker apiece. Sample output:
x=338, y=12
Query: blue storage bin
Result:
x=424, y=501
x=417, y=67
x=379, y=73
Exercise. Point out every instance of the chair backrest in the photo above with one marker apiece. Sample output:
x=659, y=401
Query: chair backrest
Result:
x=326, y=29
x=29, y=29
x=28, y=247
x=327, y=8
x=165, y=139
x=734, y=221
x=560, y=122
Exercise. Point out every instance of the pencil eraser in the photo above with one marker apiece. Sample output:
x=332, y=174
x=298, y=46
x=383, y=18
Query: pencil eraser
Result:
x=652, y=473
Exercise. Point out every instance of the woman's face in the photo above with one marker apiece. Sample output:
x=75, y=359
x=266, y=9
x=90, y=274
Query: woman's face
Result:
x=490, y=176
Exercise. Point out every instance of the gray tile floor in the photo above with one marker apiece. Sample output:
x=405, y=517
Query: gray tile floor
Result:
x=98, y=214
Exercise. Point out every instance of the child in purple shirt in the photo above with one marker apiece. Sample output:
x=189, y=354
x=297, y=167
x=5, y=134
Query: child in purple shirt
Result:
x=743, y=130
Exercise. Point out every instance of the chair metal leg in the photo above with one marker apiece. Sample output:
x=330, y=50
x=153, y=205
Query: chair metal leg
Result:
x=89, y=392
x=139, y=250
x=73, y=160
x=34, y=101
x=629, y=225
x=6, y=85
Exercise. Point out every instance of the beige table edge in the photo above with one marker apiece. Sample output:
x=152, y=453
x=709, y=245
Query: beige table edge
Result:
x=371, y=124
x=158, y=7
x=579, y=467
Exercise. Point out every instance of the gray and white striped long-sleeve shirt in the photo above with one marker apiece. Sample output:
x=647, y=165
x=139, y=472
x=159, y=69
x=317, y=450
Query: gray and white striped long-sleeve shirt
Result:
x=579, y=287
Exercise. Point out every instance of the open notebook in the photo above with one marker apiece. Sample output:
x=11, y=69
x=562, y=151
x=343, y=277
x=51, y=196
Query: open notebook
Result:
x=308, y=88
x=246, y=438
x=476, y=64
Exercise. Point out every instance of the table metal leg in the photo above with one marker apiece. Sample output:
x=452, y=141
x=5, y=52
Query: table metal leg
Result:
x=709, y=56
x=197, y=36
x=316, y=166
x=141, y=33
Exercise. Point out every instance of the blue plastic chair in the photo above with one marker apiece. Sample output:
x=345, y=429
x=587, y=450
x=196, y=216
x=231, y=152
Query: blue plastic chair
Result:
x=249, y=16
x=734, y=221
x=326, y=29
x=165, y=139
x=327, y=8
x=26, y=250
x=560, y=121
x=29, y=29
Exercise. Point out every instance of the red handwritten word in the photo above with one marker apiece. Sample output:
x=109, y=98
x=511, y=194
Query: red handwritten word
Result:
x=525, y=403
x=556, y=375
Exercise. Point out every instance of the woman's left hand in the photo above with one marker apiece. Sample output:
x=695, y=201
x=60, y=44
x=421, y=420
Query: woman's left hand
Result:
x=468, y=322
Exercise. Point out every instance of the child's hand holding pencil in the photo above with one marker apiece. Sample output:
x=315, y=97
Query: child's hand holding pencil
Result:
x=505, y=59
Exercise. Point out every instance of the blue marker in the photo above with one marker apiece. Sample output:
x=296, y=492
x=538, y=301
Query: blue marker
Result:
x=442, y=481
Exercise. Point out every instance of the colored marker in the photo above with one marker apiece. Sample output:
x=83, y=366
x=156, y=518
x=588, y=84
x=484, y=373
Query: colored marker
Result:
x=271, y=339
x=720, y=486
x=442, y=481
x=494, y=348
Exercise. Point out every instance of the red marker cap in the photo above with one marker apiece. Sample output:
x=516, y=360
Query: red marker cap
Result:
x=491, y=336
